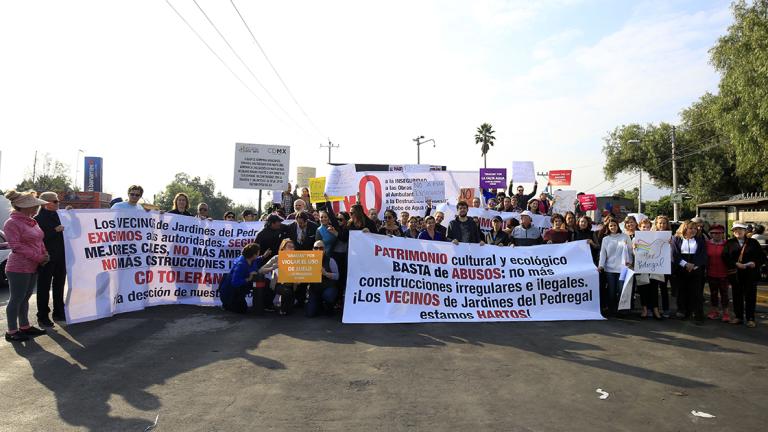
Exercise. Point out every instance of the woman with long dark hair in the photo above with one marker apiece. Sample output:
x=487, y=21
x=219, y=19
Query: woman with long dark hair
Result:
x=390, y=226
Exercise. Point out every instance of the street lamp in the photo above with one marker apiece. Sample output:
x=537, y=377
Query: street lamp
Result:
x=640, y=187
x=418, y=142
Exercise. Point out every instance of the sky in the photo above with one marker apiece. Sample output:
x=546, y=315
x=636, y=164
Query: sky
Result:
x=130, y=82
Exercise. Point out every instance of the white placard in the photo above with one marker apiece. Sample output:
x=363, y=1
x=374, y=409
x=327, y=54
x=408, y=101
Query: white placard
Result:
x=523, y=172
x=625, y=301
x=429, y=190
x=653, y=252
x=303, y=174
x=564, y=201
x=342, y=181
x=261, y=166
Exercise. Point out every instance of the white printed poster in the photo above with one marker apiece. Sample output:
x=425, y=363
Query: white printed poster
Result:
x=653, y=252
x=341, y=181
x=261, y=166
x=123, y=260
x=400, y=280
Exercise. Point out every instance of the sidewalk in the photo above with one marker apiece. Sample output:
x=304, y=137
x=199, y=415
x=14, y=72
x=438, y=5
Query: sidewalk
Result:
x=762, y=294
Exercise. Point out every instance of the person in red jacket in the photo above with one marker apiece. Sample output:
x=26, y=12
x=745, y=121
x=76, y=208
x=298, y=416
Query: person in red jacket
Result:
x=28, y=253
x=717, y=275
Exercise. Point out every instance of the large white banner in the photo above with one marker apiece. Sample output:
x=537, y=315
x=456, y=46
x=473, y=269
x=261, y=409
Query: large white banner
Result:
x=121, y=261
x=396, y=280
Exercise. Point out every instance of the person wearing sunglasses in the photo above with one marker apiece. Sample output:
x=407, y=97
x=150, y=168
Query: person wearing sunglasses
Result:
x=135, y=192
x=229, y=216
x=322, y=296
x=202, y=211
x=54, y=273
x=390, y=226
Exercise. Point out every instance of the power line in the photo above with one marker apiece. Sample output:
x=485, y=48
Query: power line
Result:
x=274, y=69
x=223, y=62
x=248, y=68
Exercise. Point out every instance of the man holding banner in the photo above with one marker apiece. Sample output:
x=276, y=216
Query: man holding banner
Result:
x=463, y=229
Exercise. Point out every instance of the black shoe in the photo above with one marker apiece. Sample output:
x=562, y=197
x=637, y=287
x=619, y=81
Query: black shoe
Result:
x=16, y=337
x=57, y=317
x=33, y=331
x=45, y=322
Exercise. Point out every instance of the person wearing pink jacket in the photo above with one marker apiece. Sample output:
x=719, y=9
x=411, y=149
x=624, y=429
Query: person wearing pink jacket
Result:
x=28, y=253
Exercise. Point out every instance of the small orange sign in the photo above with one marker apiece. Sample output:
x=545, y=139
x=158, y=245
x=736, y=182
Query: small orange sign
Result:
x=299, y=266
x=467, y=195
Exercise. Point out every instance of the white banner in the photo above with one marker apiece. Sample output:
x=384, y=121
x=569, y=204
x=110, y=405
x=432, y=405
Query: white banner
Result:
x=393, y=280
x=122, y=261
x=261, y=166
x=653, y=253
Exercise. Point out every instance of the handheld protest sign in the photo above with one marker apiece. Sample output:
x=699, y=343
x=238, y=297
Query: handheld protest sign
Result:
x=317, y=191
x=299, y=266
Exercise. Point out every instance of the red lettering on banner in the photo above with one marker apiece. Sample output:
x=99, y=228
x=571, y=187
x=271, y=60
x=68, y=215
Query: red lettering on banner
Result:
x=376, y=192
x=490, y=314
x=415, y=298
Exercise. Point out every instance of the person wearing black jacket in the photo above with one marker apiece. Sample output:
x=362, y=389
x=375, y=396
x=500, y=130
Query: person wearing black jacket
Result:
x=51, y=276
x=273, y=233
x=522, y=198
x=464, y=229
x=181, y=205
x=496, y=236
x=439, y=217
x=302, y=232
x=584, y=231
x=743, y=257
x=689, y=257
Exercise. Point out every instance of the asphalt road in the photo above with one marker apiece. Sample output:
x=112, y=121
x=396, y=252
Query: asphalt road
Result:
x=202, y=369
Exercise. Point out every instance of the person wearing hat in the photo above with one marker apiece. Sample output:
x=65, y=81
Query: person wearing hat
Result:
x=526, y=234
x=28, y=253
x=717, y=275
x=51, y=276
x=273, y=233
x=743, y=258
x=497, y=236
x=321, y=296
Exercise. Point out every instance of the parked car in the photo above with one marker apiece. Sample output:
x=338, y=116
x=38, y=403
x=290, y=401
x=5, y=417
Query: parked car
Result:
x=5, y=213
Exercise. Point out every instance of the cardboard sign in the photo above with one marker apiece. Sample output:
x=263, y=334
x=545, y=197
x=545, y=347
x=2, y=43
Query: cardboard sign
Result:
x=261, y=166
x=299, y=266
x=588, y=202
x=429, y=190
x=342, y=181
x=493, y=178
x=560, y=177
x=317, y=191
x=467, y=195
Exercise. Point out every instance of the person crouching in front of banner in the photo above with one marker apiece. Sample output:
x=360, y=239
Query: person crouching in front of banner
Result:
x=321, y=297
x=526, y=234
x=51, y=276
x=464, y=229
x=743, y=257
x=613, y=258
x=689, y=257
x=717, y=275
x=25, y=238
x=285, y=296
x=239, y=282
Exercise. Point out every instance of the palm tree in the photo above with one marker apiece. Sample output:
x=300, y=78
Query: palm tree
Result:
x=485, y=137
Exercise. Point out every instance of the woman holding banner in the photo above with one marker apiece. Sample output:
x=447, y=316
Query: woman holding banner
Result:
x=614, y=256
x=689, y=257
x=496, y=236
x=181, y=205
x=558, y=233
x=584, y=232
x=430, y=231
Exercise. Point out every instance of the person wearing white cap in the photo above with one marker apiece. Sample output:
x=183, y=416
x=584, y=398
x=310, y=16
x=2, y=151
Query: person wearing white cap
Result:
x=743, y=258
x=526, y=234
x=28, y=253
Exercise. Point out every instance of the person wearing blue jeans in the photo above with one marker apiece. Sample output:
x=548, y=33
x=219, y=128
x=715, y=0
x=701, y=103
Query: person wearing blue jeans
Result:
x=322, y=296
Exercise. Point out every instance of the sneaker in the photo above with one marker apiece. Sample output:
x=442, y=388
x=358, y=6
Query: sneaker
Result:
x=665, y=314
x=726, y=317
x=734, y=321
x=713, y=314
x=16, y=337
x=32, y=331
x=679, y=315
x=751, y=324
x=45, y=322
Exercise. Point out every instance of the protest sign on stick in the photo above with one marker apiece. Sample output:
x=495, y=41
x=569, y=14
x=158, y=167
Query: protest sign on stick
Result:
x=493, y=178
x=560, y=177
x=342, y=181
x=317, y=191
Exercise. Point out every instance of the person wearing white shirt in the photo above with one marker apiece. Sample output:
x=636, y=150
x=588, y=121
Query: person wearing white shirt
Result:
x=135, y=192
x=615, y=254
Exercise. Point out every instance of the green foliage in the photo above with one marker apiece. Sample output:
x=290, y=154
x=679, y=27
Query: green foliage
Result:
x=484, y=136
x=741, y=56
x=49, y=175
x=664, y=207
x=198, y=191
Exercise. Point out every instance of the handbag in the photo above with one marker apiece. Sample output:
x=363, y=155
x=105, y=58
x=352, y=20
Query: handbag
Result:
x=734, y=271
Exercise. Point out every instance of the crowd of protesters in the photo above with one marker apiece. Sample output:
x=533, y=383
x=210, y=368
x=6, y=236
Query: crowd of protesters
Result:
x=34, y=234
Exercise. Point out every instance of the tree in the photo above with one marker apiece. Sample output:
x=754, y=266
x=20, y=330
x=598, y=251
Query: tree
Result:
x=741, y=57
x=485, y=137
x=198, y=191
x=49, y=175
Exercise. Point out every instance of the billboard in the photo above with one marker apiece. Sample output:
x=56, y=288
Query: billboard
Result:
x=92, y=179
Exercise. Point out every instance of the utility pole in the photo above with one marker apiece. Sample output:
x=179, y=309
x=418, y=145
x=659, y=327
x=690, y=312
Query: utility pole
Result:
x=34, y=168
x=330, y=146
x=419, y=142
x=675, y=205
x=640, y=194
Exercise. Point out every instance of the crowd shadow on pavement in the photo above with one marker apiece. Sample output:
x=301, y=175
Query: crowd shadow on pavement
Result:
x=127, y=355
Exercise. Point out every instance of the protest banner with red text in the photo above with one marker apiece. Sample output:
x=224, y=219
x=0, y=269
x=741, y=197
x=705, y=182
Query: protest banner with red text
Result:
x=398, y=280
x=125, y=260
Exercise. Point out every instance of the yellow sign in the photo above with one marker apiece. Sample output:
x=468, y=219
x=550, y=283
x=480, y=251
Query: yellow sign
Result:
x=317, y=190
x=299, y=266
